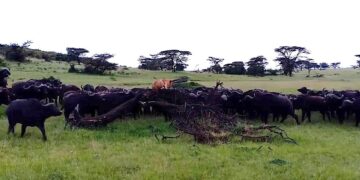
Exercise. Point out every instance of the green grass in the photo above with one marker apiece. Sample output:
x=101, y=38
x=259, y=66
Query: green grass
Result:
x=127, y=149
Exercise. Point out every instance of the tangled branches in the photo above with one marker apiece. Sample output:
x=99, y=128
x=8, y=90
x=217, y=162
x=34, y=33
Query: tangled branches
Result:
x=257, y=133
x=205, y=123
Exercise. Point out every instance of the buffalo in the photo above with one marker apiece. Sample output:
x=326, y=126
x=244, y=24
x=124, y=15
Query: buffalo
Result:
x=30, y=112
x=308, y=103
x=267, y=103
x=4, y=96
x=88, y=103
x=88, y=87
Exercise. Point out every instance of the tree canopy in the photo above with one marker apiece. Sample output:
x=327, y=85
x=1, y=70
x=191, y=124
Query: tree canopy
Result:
x=335, y=65
x=215, y=67
x=288, y=57
x=75, y=54
x=236, y=67
x=15, y=52
x=99, y=64
x=174, y=60
x=256, y=66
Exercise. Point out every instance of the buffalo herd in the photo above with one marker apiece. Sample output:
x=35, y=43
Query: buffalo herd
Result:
x=31, y=102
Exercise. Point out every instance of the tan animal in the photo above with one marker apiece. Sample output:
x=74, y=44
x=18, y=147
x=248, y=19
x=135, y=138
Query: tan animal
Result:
x=162, y=84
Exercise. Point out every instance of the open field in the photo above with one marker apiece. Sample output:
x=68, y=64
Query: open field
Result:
x=127, y=149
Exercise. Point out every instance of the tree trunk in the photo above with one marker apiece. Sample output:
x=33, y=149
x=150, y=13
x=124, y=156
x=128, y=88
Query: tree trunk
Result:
x=103, y=120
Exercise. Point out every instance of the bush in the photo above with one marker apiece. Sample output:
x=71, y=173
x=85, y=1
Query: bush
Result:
x=3, y=63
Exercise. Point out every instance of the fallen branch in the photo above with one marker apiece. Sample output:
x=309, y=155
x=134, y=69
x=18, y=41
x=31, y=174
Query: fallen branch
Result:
x=103, y=120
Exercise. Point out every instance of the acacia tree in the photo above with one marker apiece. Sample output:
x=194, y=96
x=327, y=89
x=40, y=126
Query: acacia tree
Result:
x=324, y=65
x=335, y=65
x=236, y=67
x=288, y=57
x=99, y=64
x=75, y=54
x=215, y=67
x=358, y=61
x=256, y=66
x=308, y=64
x=175, y=59
x=16, y=52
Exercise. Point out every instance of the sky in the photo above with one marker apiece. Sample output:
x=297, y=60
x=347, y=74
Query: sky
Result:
x=231, y=29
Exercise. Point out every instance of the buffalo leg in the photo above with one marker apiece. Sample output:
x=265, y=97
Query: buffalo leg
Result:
x=283, y=117
x=328, y=115
x=42, y=129
x=274, y=117
x=308, y=113
x=23, y=129
x=264, y=118
x=357, y=118
x=323, y=115
x=11, y=128
x=296, y=118
x=303, y=115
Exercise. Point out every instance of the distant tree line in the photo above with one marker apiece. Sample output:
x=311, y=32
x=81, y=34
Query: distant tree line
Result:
x=97, y=64
x=290, y=59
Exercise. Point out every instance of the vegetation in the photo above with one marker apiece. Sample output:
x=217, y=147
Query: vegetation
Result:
x=236, y=67
x=288, y=56
x=173, y=60
x=256, y=66
x=127, y=149
x=215, y=67
x=15, y=52
x=99, y=64
x=75, y=54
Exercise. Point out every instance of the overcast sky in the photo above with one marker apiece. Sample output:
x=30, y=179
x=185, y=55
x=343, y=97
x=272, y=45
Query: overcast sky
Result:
x=234, y=30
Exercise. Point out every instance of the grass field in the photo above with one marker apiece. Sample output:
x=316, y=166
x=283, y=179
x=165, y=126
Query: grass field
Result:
x=127, y=149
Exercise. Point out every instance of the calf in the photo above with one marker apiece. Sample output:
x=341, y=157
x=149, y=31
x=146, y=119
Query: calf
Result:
x=30, y=112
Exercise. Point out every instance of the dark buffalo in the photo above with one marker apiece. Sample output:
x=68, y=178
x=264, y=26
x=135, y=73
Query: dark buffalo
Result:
x=65, y=88
x=101, y=89
x=267, y=103
x=4, y=74
x=309, y=103
x=30, y=89
x=305, y=90
x=30, y=112
x=88, y=103
x=4, y=96
x=334, y=102
x=88, y=87
x=353, y=106
x=54, y=94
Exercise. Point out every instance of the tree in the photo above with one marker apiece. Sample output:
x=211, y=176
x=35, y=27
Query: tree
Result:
x=236, y=67
x=324, y=65
x=75, y=54
x=99, y=64
x=358, y=61
x=215, y=67
x=335, y=65
x=16, y=52
x=308, y=64
x=288, y=57
x=175, y=59
x=256, y=66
